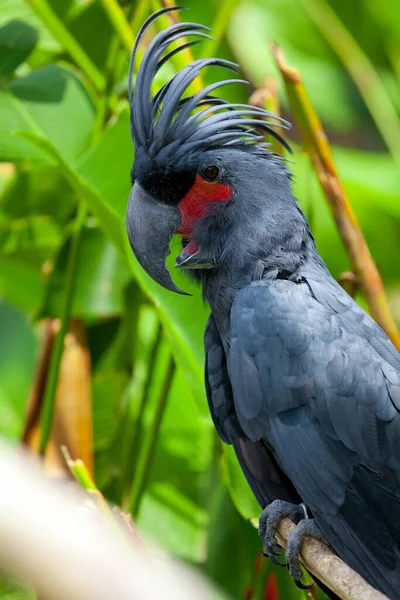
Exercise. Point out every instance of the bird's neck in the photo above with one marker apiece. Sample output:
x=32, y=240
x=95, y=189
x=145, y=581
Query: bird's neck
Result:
x=259, y=255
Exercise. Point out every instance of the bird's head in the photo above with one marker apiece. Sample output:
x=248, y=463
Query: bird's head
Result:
x=195, y=157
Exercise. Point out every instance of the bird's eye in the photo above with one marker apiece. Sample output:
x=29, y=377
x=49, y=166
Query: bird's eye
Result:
x=211, y=172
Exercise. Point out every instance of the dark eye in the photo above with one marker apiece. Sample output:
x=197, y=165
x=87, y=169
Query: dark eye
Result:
x=211, y=172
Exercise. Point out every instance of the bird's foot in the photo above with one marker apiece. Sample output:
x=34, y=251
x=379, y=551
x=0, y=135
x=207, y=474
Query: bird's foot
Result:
x=269, y=521
x=268, y=526
x=306, y=527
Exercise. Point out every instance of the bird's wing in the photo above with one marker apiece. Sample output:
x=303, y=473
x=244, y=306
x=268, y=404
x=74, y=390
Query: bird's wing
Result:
x=218, y=386
x=266, y=480
x=315, y=377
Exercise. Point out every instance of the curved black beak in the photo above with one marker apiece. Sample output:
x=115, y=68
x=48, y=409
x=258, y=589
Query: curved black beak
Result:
x=150, y=226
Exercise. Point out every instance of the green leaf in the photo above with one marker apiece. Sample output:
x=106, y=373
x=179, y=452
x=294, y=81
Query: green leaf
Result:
x=50, y=102
x=240, y=491
x=100, y=283
x=31, y=231
x=11, y=590
x=21, y=10
x=7, y=171
x=17, y=40
x=17, y=361
x=232, y=543
x=105, y=213
x=89, y=25
x=33, y=238
x=21, y=283
x=172, y=512
x=38, y=189
x=107, y=389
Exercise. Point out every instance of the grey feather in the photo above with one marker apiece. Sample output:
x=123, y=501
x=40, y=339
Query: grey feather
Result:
x=336, y=429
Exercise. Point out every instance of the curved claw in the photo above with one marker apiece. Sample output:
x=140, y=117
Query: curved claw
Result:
x=270, y=518
x=273, y=558
x=306, y=527
x=272, y=547
x=303, y=586
x=268, y=526
x=296, y=572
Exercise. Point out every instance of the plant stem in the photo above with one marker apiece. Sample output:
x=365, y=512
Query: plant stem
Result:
x=84, y=479
x=138, y=16
x=316, y=143
x=47, y=414
x=135, y=15
x=146, y=457
x=152, y=363
x=36, y=396
x=103, y=102
x=266, y=96
x=361, y=70
x=219, y=26
x=67, y=41
x=120, y=23
x=132, y=439
x=79, y=471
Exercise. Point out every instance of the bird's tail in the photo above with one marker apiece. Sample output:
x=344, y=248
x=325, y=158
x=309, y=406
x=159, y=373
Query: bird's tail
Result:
x=366, y=531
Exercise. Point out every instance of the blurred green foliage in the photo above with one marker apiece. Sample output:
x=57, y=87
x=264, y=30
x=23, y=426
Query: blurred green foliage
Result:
x=64, y=141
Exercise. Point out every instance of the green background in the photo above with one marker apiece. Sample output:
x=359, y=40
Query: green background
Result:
x=65, y=144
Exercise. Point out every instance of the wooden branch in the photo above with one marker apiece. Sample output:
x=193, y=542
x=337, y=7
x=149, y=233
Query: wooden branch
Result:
x=52, y=536
x=266, y=96
x=322, y=562
x=316, y=143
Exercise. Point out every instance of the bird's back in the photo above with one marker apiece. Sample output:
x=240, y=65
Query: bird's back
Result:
x=314, y=377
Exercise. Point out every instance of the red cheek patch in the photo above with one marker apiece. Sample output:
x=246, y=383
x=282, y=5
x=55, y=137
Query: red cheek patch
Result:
x=194, y=205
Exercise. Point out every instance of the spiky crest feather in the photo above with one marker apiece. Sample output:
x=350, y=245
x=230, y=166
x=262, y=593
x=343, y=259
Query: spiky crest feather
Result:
x=168, y=121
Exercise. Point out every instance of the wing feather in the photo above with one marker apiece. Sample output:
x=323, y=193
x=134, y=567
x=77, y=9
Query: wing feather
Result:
x=326, y=400
x=264, y=476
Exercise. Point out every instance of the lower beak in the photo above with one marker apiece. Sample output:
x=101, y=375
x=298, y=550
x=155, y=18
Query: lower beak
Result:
x=192, y=257
x=150, y=226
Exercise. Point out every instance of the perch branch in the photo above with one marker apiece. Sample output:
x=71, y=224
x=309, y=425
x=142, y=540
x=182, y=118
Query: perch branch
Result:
x=51, y=537
x=316, y=143
x=322, y=562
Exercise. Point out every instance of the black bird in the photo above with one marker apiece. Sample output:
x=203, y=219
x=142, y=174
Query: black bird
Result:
x=299, y=379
